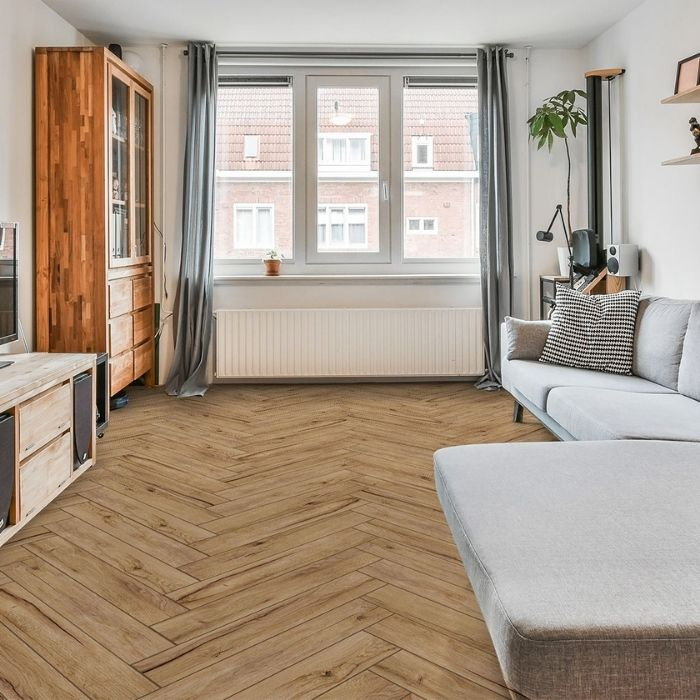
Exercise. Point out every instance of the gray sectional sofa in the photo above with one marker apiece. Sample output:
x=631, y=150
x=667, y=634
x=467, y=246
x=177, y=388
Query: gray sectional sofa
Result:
x=660, y=401
x=585, y=556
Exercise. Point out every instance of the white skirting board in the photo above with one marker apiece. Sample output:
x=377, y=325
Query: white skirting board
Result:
x=321, y=343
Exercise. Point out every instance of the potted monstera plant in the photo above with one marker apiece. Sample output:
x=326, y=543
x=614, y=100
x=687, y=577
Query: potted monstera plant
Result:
x=272, y=261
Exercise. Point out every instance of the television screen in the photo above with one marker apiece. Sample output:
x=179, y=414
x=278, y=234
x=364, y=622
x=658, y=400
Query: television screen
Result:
x=8, y=282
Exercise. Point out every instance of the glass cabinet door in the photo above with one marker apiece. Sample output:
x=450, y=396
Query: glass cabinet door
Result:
x=120, y=133
x=142, y=149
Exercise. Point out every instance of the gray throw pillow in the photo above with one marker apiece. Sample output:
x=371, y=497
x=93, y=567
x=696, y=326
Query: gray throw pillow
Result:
x=592, y=331
x=526, y=339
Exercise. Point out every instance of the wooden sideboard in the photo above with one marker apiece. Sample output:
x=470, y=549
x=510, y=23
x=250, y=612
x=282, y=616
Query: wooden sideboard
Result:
x=37, y=390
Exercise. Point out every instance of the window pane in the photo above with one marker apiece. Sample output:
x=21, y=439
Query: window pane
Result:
x=253, y=170
x=356, y=233
x=265, y=235
x=448, y=190
x=348, y=171
x=244, y=227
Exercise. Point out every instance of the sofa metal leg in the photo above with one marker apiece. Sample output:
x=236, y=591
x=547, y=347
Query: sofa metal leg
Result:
x=517, y=412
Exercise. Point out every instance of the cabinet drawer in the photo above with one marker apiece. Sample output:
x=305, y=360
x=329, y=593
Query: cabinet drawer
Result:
x=43, y=473
x=43, y=418
x=143, y=359
x=143, y=295
x=143, y=326
x=121, y=371
x=121, y=334
x=120, y=297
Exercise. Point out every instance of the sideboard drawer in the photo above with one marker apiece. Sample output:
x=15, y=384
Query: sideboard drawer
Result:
x=143, y=294
x=143, y=325
x=43, y=473
x=121, y=371
x=43, y=418
x=120, y=297
x=121, y=334
x=143, y=359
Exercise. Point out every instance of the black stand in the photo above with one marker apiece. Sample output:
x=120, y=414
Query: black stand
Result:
x=549, y=236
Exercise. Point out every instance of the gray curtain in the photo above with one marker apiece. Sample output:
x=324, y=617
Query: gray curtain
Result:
x=495, y=236
x=188, y=374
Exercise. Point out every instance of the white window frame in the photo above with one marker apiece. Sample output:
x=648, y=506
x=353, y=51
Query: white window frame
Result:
x=251, y=147
x=301, y=72
x=254, y=208
x=346, y=165
x=417, y=141
x=330, y=246
x=421, y=230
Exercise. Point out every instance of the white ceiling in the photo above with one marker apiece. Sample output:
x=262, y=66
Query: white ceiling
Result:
x=541, y=23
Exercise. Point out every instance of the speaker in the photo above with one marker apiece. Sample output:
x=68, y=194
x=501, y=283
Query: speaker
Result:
x=622, y=260
x=7, y=466
x=82, y=417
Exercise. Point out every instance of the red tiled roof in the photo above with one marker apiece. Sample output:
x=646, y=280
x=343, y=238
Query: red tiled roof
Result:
x=267, y=112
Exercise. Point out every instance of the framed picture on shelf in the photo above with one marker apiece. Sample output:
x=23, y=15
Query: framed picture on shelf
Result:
x=688, y=74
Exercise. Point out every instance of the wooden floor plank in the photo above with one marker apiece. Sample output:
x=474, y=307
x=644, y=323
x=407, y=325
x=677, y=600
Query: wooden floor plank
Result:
x=262, y=542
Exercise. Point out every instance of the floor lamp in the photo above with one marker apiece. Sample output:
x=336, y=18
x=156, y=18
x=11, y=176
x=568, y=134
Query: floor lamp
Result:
x=547, y=236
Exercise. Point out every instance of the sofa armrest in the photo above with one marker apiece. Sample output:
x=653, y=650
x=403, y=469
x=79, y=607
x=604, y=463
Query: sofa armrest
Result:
x=524, y=340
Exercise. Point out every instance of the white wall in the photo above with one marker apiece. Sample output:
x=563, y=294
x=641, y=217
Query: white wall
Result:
x=539, y=177
x=551, y=71
x=659, y=204
x=24, y=24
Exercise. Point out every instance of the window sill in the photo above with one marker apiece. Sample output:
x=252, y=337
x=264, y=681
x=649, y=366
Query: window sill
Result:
x=446, y=278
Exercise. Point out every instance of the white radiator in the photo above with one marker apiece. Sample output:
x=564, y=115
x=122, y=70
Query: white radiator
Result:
x=298, y=343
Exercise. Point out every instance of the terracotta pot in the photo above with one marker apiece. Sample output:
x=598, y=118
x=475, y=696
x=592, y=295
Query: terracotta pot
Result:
x=272, y=267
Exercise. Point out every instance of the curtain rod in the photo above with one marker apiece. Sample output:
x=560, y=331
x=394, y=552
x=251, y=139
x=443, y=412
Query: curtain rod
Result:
x=345, y=54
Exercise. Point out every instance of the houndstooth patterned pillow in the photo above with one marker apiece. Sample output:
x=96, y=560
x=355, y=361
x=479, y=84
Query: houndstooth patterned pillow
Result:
x=592, y=332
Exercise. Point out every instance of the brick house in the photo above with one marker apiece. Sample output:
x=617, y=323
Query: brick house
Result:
x=254, y=207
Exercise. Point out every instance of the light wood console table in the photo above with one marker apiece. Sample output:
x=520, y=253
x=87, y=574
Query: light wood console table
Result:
x=37, y=390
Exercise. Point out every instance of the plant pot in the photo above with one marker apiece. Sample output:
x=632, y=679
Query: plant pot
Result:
x=272, y=267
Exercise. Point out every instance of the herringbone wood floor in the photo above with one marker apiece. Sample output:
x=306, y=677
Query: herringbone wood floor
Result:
x=262, y=542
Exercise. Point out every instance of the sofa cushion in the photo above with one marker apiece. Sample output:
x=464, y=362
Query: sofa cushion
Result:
x=585, y=563
x=525, y=339
x=661, y=328
x=593, y=331
x=605, y=414
x=534, y=380
x=689, y=371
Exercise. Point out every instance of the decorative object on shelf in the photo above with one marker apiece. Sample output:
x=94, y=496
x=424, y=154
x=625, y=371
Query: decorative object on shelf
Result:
x=272, y=261
x=695, y=131
x=116, y=49
x=559, y=116
x=688, y=74
x=547, y=236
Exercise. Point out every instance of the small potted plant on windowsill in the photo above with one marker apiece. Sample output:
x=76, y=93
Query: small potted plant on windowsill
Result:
x=272, y=261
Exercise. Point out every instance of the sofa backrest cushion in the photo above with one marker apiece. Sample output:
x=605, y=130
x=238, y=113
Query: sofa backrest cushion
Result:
x=689, y=374
x=658, y=347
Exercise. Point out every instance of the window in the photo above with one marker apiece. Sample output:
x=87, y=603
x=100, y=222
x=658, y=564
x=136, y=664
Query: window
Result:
x=422, y=151
x=342, y=227
x=347, y=165
x=349, y=150
x=254, y=189
x=440, y=174
x=254, y=227
x=251, y=146
x=421, y=225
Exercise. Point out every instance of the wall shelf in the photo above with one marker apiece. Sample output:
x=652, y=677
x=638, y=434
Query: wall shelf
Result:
x=692, y=95
x=685, y=160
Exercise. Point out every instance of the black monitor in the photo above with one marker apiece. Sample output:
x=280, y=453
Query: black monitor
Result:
x=9, y=320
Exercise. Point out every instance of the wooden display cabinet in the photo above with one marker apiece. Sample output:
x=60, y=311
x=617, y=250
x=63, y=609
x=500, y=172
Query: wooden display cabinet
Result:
x=94, y=233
